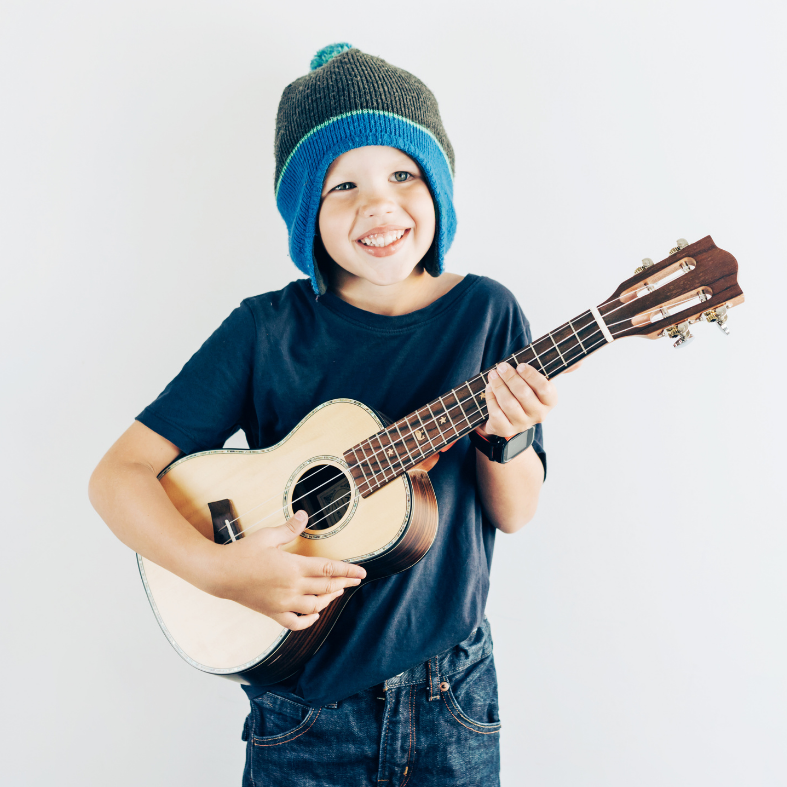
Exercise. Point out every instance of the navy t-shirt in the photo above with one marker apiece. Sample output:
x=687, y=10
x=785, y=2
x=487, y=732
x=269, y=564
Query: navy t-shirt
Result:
x=281, y=354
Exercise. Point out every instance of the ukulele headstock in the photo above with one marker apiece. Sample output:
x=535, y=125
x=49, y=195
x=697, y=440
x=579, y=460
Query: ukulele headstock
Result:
x=696, y=282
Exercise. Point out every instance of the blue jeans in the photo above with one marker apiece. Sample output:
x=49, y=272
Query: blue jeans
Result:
x=437, y=723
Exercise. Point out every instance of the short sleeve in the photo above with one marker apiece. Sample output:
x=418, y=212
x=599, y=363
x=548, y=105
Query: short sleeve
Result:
x=206, y=402
x=512, y=336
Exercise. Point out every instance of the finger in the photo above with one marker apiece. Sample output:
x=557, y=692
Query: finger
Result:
x=310, y=605
x=314, y=586
x=508, y=401
x=520, y=388
x=290, y=530
x=544, y=389
x=322, y=567
x=295, y=622
x=497, y=423
x=573, y=367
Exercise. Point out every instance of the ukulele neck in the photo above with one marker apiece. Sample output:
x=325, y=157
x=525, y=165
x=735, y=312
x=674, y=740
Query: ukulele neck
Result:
x=409, y=441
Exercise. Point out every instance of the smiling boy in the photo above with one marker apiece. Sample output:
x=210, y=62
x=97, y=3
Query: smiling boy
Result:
x=404, y=687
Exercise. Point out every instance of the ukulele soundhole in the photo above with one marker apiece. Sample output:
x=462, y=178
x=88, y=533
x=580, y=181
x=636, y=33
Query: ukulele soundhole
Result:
x=323, y=492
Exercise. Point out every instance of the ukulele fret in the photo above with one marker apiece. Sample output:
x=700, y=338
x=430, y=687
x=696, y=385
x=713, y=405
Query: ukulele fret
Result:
x=413, y=428
x=436, y=421
x=387, y=458
x=558, y=349
x=380, y=467
x=467, y=384
x=459, y=405
x=361, y=463
x=537, y=359
x=579, y=341
x=404, y=443
x=448, y=415
x=426, y=431
x=391, y=450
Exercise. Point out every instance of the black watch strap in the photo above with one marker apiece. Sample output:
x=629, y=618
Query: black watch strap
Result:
x=498, y=449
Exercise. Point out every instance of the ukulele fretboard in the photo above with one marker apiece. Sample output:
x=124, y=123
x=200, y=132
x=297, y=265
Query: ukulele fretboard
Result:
x=409, y=441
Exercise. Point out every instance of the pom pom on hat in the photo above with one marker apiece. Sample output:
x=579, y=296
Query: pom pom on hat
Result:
x=327, y=53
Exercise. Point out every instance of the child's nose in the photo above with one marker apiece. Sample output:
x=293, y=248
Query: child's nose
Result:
x=378, y=206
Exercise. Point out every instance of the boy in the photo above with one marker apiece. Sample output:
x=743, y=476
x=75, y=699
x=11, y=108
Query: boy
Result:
x=404, y=686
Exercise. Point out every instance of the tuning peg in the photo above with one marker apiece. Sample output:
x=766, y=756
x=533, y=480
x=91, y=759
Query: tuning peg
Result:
x=719, y=316
x=680, y=244
x=680, y=332
x=646, y=263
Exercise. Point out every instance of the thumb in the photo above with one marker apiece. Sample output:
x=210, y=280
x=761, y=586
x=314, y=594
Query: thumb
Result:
x=290, y=530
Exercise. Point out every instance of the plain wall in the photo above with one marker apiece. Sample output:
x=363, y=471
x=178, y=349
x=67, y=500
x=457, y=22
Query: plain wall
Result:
x=639, y=619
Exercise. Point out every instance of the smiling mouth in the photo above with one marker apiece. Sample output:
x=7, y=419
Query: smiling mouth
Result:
x=382, y=239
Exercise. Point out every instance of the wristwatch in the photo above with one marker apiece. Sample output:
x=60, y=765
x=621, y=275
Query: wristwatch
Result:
x=498, y=449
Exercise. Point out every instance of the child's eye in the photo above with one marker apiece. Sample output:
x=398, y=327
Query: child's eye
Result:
x=405, y=176
x=343, y=187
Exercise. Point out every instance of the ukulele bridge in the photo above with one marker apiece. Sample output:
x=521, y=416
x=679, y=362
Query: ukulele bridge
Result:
x=225, y=522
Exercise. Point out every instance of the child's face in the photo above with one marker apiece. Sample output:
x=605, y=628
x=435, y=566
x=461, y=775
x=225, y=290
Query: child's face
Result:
x=379, y=194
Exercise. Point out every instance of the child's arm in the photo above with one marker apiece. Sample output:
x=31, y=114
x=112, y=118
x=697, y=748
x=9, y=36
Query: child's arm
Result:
x=125, y=491
x=516, y=400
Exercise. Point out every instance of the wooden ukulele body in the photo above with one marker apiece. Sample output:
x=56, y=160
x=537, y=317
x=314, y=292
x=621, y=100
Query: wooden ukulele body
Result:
x=386, y=532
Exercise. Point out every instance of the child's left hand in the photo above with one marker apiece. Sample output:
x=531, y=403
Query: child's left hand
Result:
x=516, y=399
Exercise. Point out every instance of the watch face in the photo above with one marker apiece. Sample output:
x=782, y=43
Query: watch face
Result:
x=517, y=444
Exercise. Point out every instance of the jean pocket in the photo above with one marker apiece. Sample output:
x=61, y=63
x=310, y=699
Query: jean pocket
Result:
x=471, y=696
x=276, y=720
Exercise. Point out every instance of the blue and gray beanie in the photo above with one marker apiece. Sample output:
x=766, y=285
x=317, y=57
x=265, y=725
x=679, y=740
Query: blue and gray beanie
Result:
x=348, y=100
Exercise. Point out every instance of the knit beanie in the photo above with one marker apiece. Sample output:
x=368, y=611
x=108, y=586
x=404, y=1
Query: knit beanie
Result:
x=348, y=100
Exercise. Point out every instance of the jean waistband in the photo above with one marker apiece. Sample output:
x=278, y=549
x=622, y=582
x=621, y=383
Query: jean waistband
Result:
x=476, y=647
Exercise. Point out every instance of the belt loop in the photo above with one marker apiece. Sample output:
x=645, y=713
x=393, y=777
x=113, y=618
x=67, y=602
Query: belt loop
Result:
x=433, y=679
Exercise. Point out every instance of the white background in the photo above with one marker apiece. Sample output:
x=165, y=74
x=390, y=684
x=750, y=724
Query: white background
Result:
x=640, y=618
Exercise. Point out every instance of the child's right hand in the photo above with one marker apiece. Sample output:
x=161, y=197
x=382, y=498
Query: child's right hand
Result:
x=255, y=572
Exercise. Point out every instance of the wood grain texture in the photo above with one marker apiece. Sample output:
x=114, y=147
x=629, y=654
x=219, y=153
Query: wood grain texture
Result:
x=715, y=272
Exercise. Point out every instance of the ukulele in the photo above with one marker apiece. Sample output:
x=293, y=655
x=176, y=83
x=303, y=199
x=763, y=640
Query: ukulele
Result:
x=364, y=482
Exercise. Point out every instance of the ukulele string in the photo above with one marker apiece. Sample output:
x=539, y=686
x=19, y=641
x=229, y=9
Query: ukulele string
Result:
x=433, y=420
x=545, y=367
x=276, y=511
x=374, y=452
x=445, y=411
x=254, y=525
x=350, y=466
x=250, y=528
